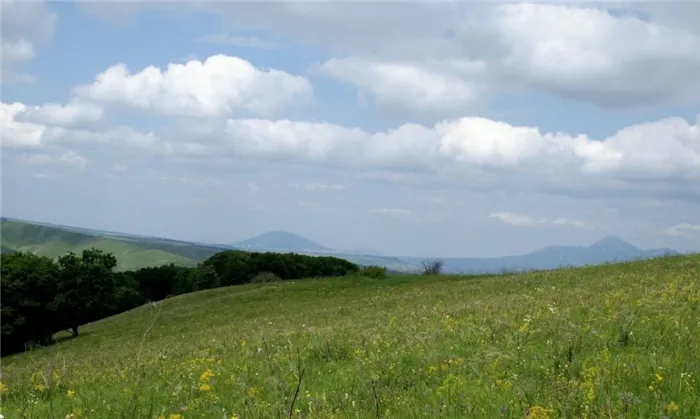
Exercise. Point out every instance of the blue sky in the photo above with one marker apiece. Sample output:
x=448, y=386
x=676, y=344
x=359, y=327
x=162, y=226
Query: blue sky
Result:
x=442, y=129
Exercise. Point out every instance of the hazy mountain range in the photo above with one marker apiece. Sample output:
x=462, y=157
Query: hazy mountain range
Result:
x=135, y=251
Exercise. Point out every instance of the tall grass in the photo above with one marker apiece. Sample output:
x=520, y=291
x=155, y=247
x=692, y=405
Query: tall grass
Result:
x=611, y=341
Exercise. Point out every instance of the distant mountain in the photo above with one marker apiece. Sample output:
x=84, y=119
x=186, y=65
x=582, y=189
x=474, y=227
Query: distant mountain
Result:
x=609, y=249
x=282, y=241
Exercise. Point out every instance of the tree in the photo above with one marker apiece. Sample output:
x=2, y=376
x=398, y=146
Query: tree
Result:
x=204, y=278
x=432, y=266
x=86, y=288
x=29, y=284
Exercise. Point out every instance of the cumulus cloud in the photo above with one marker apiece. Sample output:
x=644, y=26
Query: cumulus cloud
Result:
x=35, y=127
x=588, y=53
x=684, y=229
x=72, y=114
x=218, y=85
x=660, y=149
x=578, y=51
x=472, y=151
x=409, y=85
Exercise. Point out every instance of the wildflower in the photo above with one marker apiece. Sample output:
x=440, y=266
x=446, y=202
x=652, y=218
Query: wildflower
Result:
x=206, y=375
x=175, y=416
x=672, y=407
x=70, y=394
x=659, y=377
x=539, y=412
x=204, y=387
x=651, y=388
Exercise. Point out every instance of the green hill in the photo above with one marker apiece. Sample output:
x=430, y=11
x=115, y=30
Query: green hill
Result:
x=131, y=253
x=605, y=341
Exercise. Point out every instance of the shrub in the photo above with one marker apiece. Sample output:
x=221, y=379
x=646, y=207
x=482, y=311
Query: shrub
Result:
x=432, y=266
x=377, y=272
x=265, y=277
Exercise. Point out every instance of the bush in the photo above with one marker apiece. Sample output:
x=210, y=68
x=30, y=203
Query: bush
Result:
x=377, y=272
x=265, y=278
x=432, y=266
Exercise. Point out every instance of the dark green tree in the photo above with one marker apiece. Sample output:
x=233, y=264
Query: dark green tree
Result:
x=86, y=288
x=29, y=284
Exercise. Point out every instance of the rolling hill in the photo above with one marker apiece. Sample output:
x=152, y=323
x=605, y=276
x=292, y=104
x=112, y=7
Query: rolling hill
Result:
x=131, y=252
x=597, y=342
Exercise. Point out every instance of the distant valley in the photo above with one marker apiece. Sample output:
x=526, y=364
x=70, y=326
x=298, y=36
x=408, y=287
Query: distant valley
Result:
x=136, y=251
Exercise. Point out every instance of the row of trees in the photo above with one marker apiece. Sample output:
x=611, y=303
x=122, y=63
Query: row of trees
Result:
x=41, y=296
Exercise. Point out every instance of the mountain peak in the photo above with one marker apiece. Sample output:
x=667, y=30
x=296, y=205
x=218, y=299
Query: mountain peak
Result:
x=281, y=240
x=613, y=243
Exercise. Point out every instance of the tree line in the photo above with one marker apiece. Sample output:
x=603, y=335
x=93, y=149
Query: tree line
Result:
x=42, y=296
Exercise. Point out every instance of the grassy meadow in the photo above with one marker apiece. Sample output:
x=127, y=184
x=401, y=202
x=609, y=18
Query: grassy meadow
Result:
x=614, y=341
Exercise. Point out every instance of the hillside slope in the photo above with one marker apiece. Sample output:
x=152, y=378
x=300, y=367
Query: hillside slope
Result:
x=607, y=341
x=131, y=253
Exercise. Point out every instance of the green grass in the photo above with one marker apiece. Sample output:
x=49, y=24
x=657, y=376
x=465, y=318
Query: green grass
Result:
x=131, y=254
x=598, y=342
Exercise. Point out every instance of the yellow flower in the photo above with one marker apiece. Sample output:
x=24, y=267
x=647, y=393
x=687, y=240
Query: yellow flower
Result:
x=659, y=377
x=3, y=388
x=651, y=388
x=70, y=394
x=175, y=416
x=672, y=407
x=539, y=412
x=204, y=387
x=206, y=375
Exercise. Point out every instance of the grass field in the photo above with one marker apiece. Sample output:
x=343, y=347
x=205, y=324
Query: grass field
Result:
x=599, y=342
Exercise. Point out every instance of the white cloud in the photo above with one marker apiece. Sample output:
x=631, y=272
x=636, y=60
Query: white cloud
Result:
x=407, y=85
x=19, y=134
x=587, y=53
x=392, y=212
x=218, y=85
x=24, y=127
x=65, y=159
x=684, y=229
x=51, y=114
x=24, y=25
x=517, y=219
x=662, y=149
x=579, y=51
x=17, y=51
x=240, y=41
x=522, y=220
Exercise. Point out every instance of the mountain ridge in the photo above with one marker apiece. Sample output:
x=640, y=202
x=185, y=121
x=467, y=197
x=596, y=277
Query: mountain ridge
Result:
x=52, y=240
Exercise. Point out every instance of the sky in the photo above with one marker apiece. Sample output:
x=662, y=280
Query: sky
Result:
x=418, y=129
